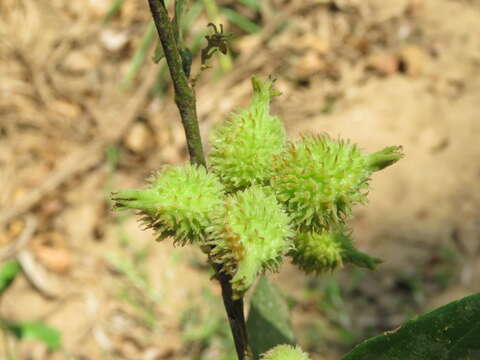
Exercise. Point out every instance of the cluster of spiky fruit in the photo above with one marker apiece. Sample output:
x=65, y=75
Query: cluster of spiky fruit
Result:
x=263, y=196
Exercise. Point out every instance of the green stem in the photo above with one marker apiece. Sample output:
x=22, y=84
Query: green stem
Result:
x=184, y=95
x=236, y=317
x=185, y=100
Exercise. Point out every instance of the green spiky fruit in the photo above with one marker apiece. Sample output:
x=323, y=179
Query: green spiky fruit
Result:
x=181, y=201
x=328, y=250
x=243, y=147
x=316, y=252
x=318, y=179
x=285, y=352
x=252, y=236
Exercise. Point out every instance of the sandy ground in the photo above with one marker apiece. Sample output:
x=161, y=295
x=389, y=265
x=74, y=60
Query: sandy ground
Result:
x=380, y=73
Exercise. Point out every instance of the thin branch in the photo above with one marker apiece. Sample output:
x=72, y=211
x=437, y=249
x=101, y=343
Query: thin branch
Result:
x=185, y=100
x=236, y=317
x=184, y=95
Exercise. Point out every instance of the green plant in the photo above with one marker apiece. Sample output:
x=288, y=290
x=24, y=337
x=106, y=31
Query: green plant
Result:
x=23, y=330
x=262, y=198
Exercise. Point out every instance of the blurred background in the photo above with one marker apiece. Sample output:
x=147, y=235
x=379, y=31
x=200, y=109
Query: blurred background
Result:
x=84, y=111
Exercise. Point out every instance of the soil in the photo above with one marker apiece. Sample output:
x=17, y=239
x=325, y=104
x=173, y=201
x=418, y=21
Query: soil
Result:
x=74, y=127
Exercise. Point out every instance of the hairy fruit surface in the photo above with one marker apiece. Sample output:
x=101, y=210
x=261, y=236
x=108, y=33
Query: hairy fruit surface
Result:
x=252, y=236
x=319, y=179
x=243, y=147
x=285, y=352
x=328, y=250
x=181, y=201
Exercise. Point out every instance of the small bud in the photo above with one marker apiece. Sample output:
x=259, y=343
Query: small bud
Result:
x=243, y=147
x=383, y=158
x=187, y=59
x=181, y=201
x=252, y=236
x=263, y=91
x=285, y=352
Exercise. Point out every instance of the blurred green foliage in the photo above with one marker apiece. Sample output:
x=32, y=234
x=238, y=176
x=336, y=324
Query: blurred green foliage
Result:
x=8, y=272
x=205, y=331
x=35, y=331
x=268, y=322
x=24, y=330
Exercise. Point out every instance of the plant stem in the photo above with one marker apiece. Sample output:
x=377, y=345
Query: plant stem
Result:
x=236, y=318
x=186, y=103
x=184, y=95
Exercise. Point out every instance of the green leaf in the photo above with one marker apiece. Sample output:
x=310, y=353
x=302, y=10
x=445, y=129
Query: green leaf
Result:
x=37, y=331
x=451, y=332
x=241, y=21
x=8, y=272
x=268, y=321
